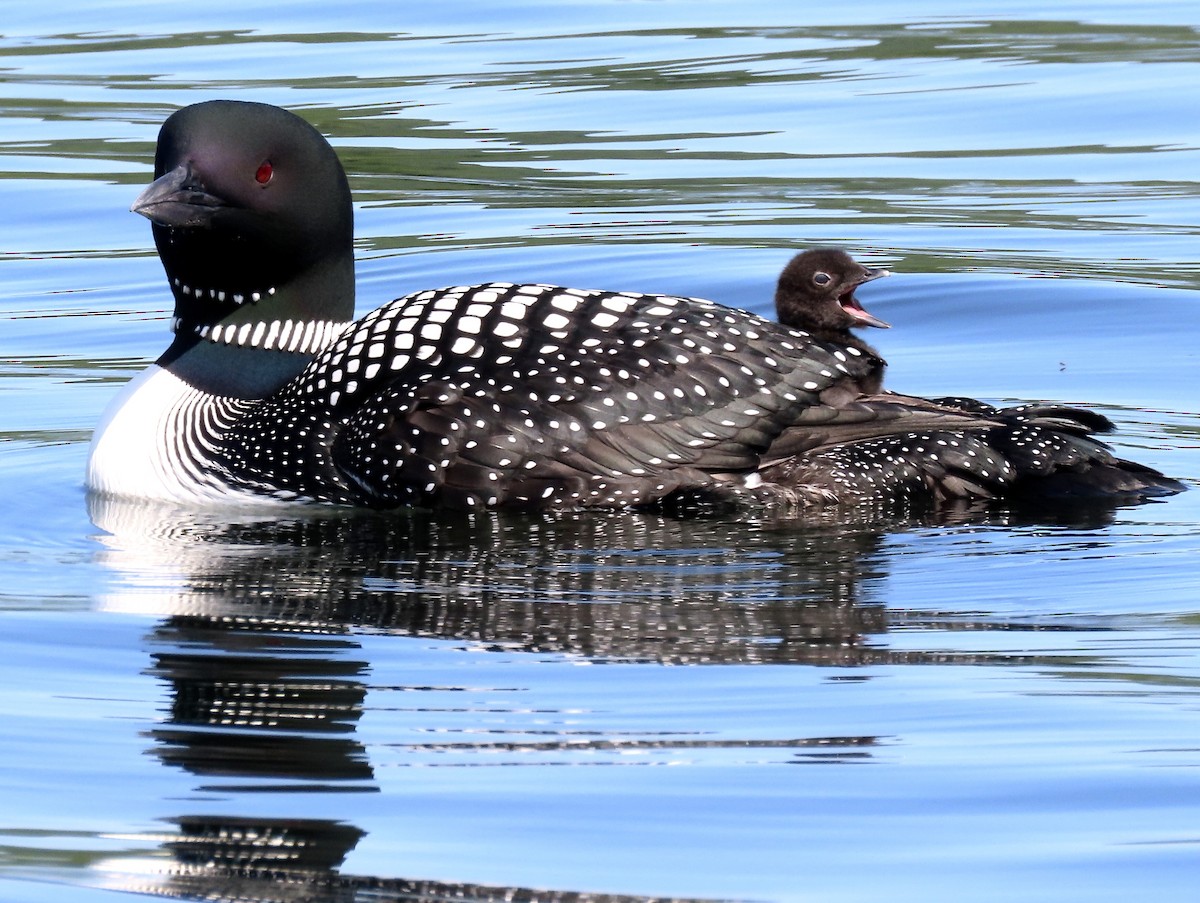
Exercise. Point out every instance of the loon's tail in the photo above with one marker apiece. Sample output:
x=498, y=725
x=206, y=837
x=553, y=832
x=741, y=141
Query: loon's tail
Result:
x=901, y=448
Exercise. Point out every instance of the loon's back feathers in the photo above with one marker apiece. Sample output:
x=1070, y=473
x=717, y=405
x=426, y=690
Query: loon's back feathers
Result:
x=588, y=398
x=515, y=395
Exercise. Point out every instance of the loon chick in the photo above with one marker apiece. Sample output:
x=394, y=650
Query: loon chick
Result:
x=816, y=293
x=499, y=394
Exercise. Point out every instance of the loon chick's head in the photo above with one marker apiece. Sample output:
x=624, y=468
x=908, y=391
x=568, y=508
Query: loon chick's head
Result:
x=253, y=221
x=816, y=292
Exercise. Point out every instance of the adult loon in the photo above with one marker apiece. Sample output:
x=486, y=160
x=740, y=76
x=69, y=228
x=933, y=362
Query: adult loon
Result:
x=498, y=394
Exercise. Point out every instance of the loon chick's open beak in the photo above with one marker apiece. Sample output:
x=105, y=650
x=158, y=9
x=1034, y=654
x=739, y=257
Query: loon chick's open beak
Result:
x=851, y=305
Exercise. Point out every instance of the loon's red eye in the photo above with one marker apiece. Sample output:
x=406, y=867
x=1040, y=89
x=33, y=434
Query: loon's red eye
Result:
x=264, y=172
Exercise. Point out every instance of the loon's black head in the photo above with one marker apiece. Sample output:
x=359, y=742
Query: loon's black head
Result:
x=253, y=222
x=816, y=292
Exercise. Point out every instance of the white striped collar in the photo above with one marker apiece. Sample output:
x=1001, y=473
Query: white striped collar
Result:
x=297, y=336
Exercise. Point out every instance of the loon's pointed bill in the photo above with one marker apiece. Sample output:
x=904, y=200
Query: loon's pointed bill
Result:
x=508, y=395
x=177, y=198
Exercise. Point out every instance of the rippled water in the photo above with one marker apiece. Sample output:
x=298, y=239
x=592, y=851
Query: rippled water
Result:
x=340, y=706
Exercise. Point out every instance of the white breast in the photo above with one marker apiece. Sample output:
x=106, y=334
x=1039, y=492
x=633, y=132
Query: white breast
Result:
x=150, y=444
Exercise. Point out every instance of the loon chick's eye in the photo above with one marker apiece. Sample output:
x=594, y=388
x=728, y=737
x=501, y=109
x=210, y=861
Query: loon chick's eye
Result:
x=821, y=278
x=264, y=172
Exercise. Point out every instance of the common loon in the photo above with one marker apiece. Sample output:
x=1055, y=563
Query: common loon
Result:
x=531, y=396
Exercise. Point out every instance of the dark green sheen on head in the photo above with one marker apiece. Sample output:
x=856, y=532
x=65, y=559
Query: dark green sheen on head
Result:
x=250, y=199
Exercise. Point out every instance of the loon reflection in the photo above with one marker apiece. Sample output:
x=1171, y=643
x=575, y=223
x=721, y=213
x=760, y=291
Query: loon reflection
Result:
x=259, y=711
x=296, y=861
x=619, y=585
x=259, y=646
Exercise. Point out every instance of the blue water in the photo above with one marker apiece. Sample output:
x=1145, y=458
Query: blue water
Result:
x=337, y=706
